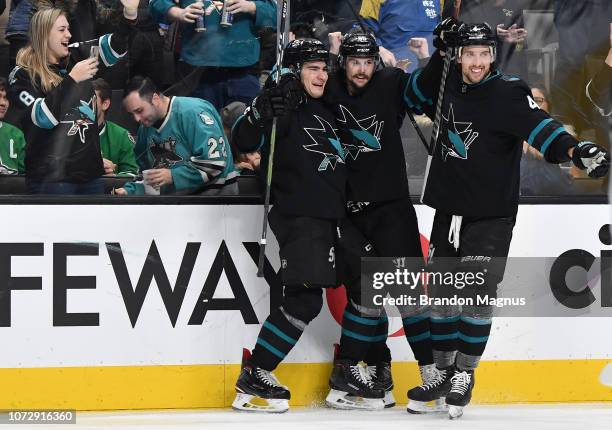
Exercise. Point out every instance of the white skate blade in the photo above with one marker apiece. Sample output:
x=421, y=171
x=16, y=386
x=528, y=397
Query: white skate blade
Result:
x=343, y=400
x=243, y=402
x=455, y=412
x=389, y=400
x=416, y=407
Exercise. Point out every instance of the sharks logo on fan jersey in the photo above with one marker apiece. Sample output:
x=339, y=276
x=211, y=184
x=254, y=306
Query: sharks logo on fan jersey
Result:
x=80, y=118
x=457, y=137
x=326, y=143
x=365, y=132
x=164, y=153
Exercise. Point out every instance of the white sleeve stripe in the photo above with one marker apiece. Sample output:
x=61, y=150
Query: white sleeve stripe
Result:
x=601, y=110
x=205, y=177
x=40, y=102
x=210, y=172
x=112, y=50
x=200, y=163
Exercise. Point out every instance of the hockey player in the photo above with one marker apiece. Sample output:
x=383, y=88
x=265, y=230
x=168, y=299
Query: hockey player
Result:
x=308, y=192
x=180, y=145
x=52, y=92
x=370, y=106
x=474, y=186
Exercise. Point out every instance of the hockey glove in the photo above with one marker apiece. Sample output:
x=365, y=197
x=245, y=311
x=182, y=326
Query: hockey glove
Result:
x=267, y=105
x=292, y=90
x=592, y=158
x=446, y=34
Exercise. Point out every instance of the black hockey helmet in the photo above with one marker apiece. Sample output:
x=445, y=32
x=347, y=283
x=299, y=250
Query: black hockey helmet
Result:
x=479, y=34
x=360, y=44
x=300, y=51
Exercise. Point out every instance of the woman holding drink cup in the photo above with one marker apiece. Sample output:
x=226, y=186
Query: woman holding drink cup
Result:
x=52, y=91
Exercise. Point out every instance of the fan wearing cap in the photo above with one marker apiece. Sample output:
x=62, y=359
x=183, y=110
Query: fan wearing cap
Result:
x=473, y=185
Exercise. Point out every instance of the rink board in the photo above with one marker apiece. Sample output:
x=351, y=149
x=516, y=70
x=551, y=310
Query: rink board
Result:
x=76, y=334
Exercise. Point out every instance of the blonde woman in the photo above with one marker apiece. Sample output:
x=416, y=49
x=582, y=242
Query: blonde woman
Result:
x=51, y=87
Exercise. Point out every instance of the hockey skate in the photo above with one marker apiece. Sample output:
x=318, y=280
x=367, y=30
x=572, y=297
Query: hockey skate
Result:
x=352, y=388
x=461, y=392
x=258, y=390
x=381, y=377
x=436, y=384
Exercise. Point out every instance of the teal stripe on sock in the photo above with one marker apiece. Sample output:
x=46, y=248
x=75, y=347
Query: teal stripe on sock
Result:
x=362, y=337
x=364, y=321
x=444, y=336
x=419, y=337
x=279, y=333
x=470, y=339
x=270, y=348
x=415, y=319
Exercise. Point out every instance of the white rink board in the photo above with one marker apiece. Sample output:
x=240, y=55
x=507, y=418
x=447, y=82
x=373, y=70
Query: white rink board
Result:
x=34, y=341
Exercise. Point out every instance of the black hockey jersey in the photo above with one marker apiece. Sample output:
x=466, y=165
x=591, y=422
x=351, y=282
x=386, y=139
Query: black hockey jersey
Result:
x=309, y=173
x=475, y=169
x=60, y=126
x=370, y=125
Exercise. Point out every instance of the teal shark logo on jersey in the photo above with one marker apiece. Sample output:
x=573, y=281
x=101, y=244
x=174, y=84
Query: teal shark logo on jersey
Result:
x=365, y=132
x=459, y=137
x=164, y=153
x=80, y=118
x=326, y=143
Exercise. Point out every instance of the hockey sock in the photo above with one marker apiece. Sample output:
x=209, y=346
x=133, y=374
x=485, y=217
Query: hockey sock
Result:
x=379, y=352
x=418, y=334
x=473, y=337
x=276, y=338
x=444, y=335
x=359, y=333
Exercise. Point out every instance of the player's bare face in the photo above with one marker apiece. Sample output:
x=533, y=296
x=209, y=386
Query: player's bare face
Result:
x=143, y=111
x=475, y=63
x=59, y=38
x=359, y=71
x=4, y=104
x=314, y=77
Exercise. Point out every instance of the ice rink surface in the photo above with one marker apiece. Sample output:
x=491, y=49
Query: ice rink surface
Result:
x=477, y=417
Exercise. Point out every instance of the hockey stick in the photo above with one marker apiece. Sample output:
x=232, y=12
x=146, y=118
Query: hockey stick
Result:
x=408, y=112
x=438, y=117
x=282, y=36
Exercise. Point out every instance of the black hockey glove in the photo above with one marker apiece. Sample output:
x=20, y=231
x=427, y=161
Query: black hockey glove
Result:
x=276, y=100
x=446, y=34
x=292, y=90
x=592, y=158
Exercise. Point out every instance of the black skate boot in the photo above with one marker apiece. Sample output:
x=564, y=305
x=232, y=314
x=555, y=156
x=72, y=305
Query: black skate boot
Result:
x=461, y=392
x=351, y=388
x=436, y=384
x=380, y=375
x=255, y=382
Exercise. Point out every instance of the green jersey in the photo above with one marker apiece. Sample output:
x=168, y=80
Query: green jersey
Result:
x=12, y=150
x=192, y=144
x=117, y=145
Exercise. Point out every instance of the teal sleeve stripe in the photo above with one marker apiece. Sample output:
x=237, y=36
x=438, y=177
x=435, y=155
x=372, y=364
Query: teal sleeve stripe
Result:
x=416, y=319
x=476, y=321
x=261, y=143
x=362, y=337
x=411, y=104
x=470, y=339
x=552, y=137
x=109, y=57
x=270, y=348
x=419, y=337
x=41, y=116
x=360, y=320
x=537, y=130
x=279, y=333
x=415, y=87
x=445, y=320
x=445, y=336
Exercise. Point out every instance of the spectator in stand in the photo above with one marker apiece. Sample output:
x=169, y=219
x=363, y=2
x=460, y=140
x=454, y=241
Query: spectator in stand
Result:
x=12, y=142
x=506, y=17
x=52, y=91
x=116, y=143
x=181, y=147
x=395, y=22
x=537, y=176
x=245, y=164
x=17, y=28
x=599, y=89
x=225, y=58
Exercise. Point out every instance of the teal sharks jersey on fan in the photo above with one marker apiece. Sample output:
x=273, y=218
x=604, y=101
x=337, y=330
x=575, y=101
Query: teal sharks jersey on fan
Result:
x=191, y=143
